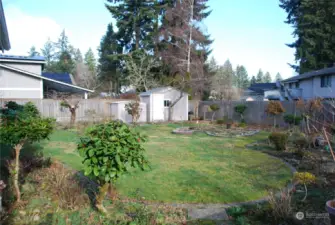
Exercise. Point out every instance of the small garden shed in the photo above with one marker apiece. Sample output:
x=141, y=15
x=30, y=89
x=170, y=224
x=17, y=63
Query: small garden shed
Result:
x=158, y=101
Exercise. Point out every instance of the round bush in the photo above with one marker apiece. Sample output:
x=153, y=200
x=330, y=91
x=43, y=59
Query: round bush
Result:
x=279, y=140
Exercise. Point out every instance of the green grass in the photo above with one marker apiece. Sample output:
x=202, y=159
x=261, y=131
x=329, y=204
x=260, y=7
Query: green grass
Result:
x=194, y=169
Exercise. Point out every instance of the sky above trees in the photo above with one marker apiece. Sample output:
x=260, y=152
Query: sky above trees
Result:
x=249, y=34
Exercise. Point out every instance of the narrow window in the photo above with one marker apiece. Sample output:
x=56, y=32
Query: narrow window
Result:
x=297, y=84
x=167, y=103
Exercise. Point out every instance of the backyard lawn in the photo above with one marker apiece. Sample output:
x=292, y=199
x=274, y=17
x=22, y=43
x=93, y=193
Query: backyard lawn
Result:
x=195, y=169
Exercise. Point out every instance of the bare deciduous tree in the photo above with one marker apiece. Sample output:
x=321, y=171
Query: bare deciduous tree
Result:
x=140, y=68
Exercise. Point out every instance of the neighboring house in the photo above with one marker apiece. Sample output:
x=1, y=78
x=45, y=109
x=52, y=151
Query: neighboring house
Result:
x=263, y=92
x=319, y=83
x=22, y=78
x=158, y=100
x=4, y=39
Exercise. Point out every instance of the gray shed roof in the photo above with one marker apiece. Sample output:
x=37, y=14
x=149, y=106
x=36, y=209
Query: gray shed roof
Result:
x=4, y=39
x=159, y=90
x=307, y=75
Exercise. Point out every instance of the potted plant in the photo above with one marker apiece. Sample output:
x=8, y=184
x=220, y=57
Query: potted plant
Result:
x=330, y=206
x=229, y=123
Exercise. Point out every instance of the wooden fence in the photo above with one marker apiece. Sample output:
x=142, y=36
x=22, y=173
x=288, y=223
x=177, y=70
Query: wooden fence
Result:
x=89, y=109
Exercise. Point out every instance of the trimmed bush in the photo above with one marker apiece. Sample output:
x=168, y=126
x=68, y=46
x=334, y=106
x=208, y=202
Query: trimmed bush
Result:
x=240, y=109
x=279, y=140
x=292, y=120
x=220, y=121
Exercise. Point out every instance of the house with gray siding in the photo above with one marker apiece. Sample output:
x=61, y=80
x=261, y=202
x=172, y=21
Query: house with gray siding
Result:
x=21, y=78
x=159, y=100
x=314, y=84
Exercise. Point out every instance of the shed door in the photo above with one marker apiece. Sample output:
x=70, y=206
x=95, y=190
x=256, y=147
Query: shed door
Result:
x=157, y=107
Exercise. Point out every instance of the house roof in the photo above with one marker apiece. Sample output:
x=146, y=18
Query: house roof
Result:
x=159, y=90
x=62, y=86
x=307, y=75
x=4, y=39
x=261, y=87
x=22, y=59
x=63, y=77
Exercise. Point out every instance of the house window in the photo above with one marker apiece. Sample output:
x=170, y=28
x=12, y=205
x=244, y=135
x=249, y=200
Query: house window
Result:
x=290, y=85
x=167, y=103
x=326, y=81
x=297, y=85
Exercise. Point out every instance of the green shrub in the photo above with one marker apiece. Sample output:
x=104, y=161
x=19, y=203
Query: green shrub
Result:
x=242, y=124
x=109, y=151
x=279, y=140
x=292, y=120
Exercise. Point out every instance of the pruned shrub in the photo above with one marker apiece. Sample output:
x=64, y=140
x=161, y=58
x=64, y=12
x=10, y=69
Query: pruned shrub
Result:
x=109, y=151
x=133, y=108
x=292, y=119
x=304, y=178
x=240, y=109
x=213, y=108
x=279, y=140
x=220, y=121
x=274, y=108
x=63, y=185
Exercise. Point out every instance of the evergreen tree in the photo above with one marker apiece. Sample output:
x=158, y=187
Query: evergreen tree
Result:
x=314, y=29
x=78, y=56
x=267, y=78
x=278, y=77
x=260, y=77
x=253, y=80
x=110, y=59
x=64, y=59
x=227, y=72
x=90, y=60
x=242, y=80
x=48, y=52
x=33, y=52
x=135, y=21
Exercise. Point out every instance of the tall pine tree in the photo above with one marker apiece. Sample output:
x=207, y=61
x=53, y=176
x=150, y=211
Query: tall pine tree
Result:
x=314, y=29
x=242, y=80
x=260, y=77
x=278, y=77
x=90, y=60
x=267, y=78
x=135, y=21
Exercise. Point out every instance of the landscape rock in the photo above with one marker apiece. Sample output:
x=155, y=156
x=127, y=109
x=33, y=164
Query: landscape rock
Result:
x=36, y=218
x=328, y=167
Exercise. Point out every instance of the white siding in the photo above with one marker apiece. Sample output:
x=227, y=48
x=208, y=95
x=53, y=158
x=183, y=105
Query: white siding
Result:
x=307, y=88
x=146, y=100
x=17, y=85
x=180, y=109
x=33, y=68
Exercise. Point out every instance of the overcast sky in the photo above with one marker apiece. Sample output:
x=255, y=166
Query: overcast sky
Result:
x=247, y=32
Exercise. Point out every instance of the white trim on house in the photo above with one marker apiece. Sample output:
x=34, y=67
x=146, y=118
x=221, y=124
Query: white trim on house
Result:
x=41, y=89
x=23, y=61
x=44, y=78
x=20, y=89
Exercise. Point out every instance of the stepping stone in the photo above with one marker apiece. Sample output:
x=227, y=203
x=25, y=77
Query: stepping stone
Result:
x=209, y=213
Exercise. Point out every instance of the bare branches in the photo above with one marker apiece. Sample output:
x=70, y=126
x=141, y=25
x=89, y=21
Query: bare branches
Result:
x=140, y=71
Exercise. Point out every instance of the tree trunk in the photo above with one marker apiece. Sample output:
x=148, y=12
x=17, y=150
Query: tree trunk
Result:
x=73, y=116
x=213, y=116
x=101, y=196
x=17, y=148
x=305, y=193
x=274, y=121
x=190, y=39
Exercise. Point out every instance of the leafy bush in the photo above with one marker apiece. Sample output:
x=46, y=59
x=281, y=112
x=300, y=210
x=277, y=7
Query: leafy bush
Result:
x=242, y=124
x=279, y=140
x=109, y=151
x=292, y=120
